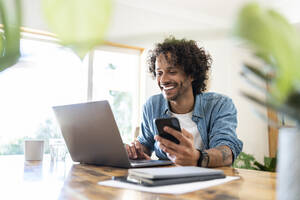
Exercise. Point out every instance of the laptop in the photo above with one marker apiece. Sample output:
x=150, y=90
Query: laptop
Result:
x=92, y=136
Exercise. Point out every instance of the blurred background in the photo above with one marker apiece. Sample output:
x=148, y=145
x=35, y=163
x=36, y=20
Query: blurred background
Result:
x=49, y=74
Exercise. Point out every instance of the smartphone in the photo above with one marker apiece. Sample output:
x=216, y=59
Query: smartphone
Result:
x=171, y=122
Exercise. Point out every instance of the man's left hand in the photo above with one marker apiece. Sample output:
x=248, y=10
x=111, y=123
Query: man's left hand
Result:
x=183, y=153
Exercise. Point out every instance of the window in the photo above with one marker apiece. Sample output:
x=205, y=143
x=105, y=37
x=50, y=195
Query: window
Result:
x=48, y=75
x=115, y=78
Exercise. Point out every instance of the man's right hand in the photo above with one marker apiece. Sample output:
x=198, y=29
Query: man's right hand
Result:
x=135, y=151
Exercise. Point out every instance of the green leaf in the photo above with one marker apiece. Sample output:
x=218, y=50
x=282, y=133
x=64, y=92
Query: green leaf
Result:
x=271, y=103
x=256, y=71
x=267, y=161
x=10, y=12
x=260, y=166
x=79, y=24
x=267, y=58
x=273, y=164
x=275, y=41
x=244, y=161
x=1, y=44
x=269, y=164
x=293, y=100
x=253, y=83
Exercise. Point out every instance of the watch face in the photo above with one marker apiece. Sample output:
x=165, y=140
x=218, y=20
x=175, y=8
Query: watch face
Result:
x=205, y=162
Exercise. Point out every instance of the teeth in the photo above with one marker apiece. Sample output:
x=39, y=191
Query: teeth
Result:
x=169, y=88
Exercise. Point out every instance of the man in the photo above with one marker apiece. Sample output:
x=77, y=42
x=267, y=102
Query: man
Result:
x=208, y=120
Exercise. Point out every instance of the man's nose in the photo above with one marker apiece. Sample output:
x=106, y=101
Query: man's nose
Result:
x=164, y=78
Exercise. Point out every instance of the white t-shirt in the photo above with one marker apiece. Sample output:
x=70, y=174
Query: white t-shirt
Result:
x=186, y=122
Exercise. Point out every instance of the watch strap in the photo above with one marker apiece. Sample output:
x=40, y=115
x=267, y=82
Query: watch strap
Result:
x=203, y=159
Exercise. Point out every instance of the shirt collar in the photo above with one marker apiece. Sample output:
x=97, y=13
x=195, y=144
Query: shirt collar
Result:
x=198, y=108
x=165, y=107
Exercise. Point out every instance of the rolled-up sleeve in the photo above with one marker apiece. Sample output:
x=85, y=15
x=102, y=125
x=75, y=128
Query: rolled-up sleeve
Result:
x=223, y=127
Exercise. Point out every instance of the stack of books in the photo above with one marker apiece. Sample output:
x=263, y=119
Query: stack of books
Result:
x=170, y=175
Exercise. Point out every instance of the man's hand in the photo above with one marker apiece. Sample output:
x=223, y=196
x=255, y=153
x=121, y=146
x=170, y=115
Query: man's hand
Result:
x=136, y=151
x=183, y=153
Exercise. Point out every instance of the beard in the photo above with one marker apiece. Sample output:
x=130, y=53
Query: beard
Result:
x=179, y=91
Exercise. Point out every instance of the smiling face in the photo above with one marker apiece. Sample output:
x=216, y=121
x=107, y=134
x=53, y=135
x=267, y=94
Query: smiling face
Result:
x=172, y=80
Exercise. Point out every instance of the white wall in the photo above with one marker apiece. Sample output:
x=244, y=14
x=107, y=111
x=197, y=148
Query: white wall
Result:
x=225, y=78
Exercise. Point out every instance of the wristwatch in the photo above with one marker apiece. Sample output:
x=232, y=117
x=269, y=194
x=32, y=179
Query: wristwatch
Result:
x=203, y=159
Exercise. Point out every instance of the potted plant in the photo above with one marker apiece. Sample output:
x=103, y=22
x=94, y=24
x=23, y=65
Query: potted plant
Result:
x=277, y=43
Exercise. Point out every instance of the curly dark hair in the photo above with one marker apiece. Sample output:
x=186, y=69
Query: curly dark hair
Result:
x=194, y=61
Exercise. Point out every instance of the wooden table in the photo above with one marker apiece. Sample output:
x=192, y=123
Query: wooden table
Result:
x=21, y=179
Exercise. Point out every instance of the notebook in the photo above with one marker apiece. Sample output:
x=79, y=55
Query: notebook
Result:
x=169, y=175
x=92, y=136
x=173, y=172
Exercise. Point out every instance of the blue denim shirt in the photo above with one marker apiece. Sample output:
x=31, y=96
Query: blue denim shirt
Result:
x=214, y=114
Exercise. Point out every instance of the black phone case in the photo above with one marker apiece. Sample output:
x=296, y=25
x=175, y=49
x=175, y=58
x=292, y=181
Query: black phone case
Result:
x=171, y=122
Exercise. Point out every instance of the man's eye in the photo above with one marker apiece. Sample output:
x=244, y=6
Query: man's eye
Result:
x=158, y=73
x=173, y=72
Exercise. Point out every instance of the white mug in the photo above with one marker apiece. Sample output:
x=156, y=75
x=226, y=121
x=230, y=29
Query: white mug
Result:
x=34, y=149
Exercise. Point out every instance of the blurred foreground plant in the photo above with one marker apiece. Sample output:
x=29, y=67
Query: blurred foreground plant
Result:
x=277, y=43
x=78, y=24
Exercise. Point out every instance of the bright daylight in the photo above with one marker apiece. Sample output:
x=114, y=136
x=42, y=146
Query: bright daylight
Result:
x=136, y=99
